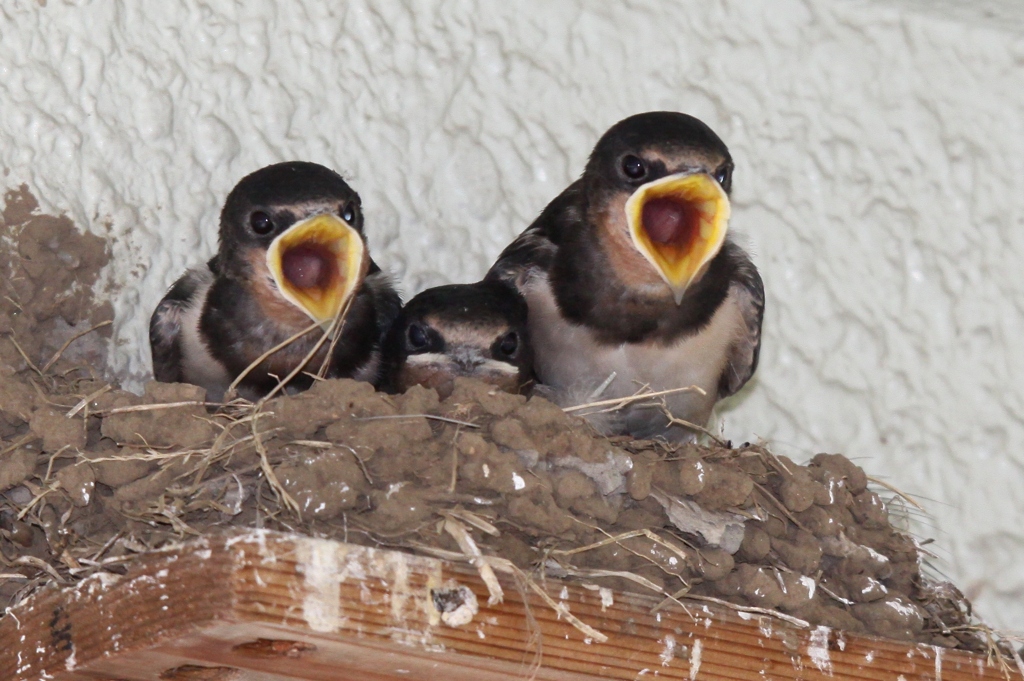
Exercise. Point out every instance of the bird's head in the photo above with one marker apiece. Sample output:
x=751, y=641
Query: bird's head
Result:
x=297, y=227
x=658, y=187
x=474, y=330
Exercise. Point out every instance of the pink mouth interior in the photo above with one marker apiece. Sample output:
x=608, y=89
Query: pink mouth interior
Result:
x=308, y=267
x=670, y=222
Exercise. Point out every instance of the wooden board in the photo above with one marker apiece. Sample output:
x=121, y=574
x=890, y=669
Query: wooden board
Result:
x=264, y=606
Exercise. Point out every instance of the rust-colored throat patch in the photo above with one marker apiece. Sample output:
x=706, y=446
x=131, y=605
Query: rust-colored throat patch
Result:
x=317, y=264
x=678, y=223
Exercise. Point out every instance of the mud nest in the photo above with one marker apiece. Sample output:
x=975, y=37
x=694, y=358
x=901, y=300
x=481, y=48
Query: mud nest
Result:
x=92, y=476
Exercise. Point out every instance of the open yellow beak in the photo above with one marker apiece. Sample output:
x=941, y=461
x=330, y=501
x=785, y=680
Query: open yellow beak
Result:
x=678, y=223
x=317, y=264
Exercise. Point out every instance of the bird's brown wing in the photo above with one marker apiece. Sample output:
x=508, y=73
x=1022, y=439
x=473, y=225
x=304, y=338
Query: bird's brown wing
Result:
x=535, y=248
x=743, y=356
x=165, y=328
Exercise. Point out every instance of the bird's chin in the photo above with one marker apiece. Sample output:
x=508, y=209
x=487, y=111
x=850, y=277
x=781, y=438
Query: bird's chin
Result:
x=439, y=371
x=317, y=265
x=678, y=224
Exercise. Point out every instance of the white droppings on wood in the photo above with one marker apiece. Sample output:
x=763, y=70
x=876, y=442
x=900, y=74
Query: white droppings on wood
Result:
x=465, y=612
x=399, y=591
x=817, y=650
x=695, y=651
x=319, y=563
x=668, y=652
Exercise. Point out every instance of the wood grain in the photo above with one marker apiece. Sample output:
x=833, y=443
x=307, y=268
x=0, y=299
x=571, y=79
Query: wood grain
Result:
x=263, y=606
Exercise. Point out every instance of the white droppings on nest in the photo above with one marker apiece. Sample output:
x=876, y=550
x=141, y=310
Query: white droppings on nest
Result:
x=876, y=555
x=817, y=649
x=609, y=475
x=901, y=608
x=872, y=584
x=718, y=528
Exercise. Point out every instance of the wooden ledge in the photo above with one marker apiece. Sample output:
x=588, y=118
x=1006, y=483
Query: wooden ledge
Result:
x=264, y=606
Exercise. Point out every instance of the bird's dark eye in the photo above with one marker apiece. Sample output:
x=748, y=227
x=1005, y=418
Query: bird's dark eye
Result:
x=348, y=213
x=261, y=223
x=633, y=167
x=723, y=175
x=417, y=337
x=509, y=344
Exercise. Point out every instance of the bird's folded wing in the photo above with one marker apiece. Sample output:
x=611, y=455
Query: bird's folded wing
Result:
x=743, y=356
x=165, y=326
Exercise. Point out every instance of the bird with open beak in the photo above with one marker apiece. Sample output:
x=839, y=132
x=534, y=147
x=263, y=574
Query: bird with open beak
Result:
x=292, y=256
x=473, y=330
x=632, y=282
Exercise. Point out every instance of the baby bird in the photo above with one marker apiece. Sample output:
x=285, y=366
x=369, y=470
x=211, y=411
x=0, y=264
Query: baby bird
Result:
x=477, y=330
x=291, y=255
x=631, y=280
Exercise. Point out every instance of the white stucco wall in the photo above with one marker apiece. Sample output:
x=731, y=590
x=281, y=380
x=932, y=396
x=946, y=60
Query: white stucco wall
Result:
x=879, y=184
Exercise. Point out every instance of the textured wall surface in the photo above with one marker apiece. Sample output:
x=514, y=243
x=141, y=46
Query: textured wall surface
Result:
x=879, y=184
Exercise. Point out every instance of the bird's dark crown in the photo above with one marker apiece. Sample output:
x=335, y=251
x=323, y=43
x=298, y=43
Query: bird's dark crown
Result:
x=666, y=141
x=485, y=302
x=285, y=193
